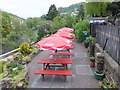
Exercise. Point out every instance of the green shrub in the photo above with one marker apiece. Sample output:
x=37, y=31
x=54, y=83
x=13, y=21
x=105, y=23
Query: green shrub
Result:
x=34, y=46
x=1, y=76
x=108, y=84
x=25, y=48
x=82, y=25
x=35, y=50
x=91, y=40
x=14, y=65
x=3, y=66
x=26, y=58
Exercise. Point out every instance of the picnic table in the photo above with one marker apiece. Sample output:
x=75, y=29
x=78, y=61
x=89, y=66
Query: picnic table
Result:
x=61, y=54
x=47, y=61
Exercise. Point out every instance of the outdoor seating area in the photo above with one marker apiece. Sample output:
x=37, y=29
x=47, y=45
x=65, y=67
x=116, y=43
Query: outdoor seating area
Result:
x=74, y=45
x=53, y=44
x=62, y=71
x=46, y=64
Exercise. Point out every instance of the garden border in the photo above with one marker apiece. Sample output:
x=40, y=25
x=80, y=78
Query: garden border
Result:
x=111, y=67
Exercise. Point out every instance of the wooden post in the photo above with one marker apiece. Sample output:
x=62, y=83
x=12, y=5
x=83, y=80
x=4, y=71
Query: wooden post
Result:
x=43, y=77
x=64, y=78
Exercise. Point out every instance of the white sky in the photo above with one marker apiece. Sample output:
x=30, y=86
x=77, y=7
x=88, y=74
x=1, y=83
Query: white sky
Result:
x=33, y=8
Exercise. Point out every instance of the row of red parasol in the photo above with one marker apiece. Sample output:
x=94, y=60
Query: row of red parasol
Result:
x=58, y=41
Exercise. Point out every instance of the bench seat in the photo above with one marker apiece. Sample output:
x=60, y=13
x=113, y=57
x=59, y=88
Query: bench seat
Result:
x=61, y=54
x=53, y=72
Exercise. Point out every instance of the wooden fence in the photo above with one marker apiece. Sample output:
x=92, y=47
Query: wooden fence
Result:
x=108, y=37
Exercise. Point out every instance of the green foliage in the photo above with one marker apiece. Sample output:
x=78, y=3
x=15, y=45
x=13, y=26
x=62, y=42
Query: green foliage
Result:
x=92, y=58
x=108, y=84
x=25, y=48
x=58, y=23
x=32, y=22
x=43, y=28
x=1, y=76
x=20, y=79
x=3, y=66
x=26, y=58
x=70, y=21
x=52, y=13
x=35, y=50
x=6, y=26
x=82, y=25
x=68, y=9
x=15, y=81
x=17, y=57
x=15, y=31
x=81, y=12
x=96, y=8
x=91, y=40
x=14, y=65
x=114, y=8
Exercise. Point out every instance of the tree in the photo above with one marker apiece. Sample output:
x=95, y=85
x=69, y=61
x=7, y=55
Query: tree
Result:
x=52, y=13
x=70, y=20
x=81, y=12
x=114, y=9
x=43, y=29
x=96, y=8
x=58, y=23
x=32, y=22
x=6, y=24
x=79, y=27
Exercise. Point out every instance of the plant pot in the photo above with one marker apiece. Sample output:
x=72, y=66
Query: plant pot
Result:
x=92, y=64
x=99, y=76
x=86, y=45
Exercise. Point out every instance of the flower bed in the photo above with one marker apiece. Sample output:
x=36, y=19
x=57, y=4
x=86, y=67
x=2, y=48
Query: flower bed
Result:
x=14, y=72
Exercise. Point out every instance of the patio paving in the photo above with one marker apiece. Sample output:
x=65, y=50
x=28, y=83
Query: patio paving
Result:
x=83, y=76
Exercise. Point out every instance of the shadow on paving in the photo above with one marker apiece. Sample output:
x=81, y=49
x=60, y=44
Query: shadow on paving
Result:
x=83, y=76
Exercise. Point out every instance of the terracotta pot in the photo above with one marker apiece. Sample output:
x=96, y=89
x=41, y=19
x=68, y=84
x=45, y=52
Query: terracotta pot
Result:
x=92, y=64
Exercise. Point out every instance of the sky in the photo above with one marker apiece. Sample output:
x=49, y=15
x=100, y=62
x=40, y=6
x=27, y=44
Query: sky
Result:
x=33, y=8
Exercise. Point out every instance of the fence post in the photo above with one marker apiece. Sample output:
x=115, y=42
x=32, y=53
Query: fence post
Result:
x=119, y=43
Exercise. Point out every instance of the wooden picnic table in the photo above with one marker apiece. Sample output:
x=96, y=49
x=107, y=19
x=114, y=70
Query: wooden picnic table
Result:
x=61, y=54
x=47, y=61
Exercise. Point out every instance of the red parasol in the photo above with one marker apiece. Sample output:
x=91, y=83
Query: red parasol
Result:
x=54, y=43
x=65, y=30
x=64, y=34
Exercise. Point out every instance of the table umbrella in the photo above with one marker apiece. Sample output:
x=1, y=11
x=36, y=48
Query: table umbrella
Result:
x=65, y=30
x=54, y=43
x=64, y=34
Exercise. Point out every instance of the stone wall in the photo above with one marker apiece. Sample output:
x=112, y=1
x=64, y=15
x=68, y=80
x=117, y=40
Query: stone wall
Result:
x=111, y=68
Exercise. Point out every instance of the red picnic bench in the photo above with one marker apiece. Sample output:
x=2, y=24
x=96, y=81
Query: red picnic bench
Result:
x=71, y=39
x=53, y=72
x=47, y=61
x=72, y=47
x=61, y=54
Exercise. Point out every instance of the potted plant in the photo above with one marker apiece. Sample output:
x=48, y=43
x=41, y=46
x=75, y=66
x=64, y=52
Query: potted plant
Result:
x=91, y=40
x=92, y=61
x=99, y=74
x=108, y=84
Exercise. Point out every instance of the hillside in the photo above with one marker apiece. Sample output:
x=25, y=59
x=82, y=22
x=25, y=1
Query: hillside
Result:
x=71, y=8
